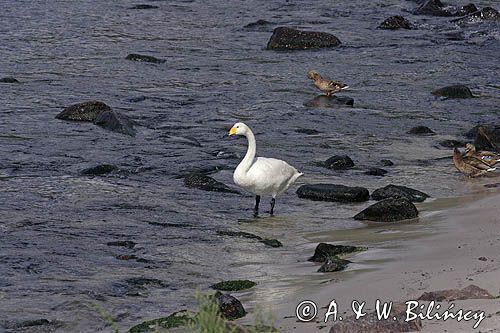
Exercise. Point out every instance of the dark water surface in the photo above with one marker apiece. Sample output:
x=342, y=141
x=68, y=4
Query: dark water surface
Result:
x=55, y=224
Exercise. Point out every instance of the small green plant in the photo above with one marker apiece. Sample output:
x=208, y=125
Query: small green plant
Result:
x=208, y=319
x=107, y=317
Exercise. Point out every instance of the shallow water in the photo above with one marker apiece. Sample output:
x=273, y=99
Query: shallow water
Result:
x=55, y=224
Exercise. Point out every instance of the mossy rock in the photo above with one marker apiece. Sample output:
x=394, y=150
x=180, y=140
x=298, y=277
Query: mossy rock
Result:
x=176, y=319
x=234, y=285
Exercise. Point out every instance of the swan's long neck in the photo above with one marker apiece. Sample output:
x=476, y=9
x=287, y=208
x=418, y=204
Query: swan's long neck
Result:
x=247, y=161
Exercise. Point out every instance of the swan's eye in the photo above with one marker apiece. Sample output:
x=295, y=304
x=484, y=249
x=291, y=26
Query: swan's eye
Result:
x=237, y=127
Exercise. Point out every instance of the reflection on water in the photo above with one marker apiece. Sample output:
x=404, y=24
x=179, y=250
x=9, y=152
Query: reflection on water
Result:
x=55, y=225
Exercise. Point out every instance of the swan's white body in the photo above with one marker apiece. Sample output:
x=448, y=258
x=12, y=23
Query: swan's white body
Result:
x=261, y=175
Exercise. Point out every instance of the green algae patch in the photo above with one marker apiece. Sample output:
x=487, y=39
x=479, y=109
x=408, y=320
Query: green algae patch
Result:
x=234, y=285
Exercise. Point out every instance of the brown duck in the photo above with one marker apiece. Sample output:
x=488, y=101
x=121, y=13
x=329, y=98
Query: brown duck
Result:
x=329, y=87
x=487, y=157
x=470, y=166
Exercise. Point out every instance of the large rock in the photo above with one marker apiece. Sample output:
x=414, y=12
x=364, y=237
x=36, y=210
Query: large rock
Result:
x=333, y=192
x=389, y=210
x=324, y=251
x=338, y=162
x=206, y=183
x=455, y=91
x=398, y=191
x=433, y=8
x=449, y=295
x=395, y=22
x=371, y=324
x=144, y=58
x=285, y=38
x=323, y=101
x=100, y=114
x=230, y=307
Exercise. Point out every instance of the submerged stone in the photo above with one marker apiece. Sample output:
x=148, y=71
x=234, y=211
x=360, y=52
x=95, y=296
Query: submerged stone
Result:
x=338, y=162
x=323, y=101
x=395, y=22
x=233, y=285
x=376, y=172
x=206, y=183
x=455, y=91
x=421, y=130
x=176, y=319
x=333, y=192
x=99, y=170
x=324, y=251
x=144, y=58
x=285, y=38
x=8, y=79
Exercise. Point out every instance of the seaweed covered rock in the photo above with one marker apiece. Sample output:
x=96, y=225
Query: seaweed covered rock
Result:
x=398, y=191
x=324, y=251
x=323, y=101
x=454, y=91
x=395, y=22
x=206, y=183
x=333, y=264
x=233, y=285
x=338, y=162
x=285, y=38
x=144, y=58
x=230, y=307
x=389, y=210
x=176, y=319
x=333, y=192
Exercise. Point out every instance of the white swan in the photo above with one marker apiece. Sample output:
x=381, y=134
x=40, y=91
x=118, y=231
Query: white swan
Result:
x=261, y=175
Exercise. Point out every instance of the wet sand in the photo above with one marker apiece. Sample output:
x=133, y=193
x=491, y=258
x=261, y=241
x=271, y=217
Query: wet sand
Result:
x=441, y=254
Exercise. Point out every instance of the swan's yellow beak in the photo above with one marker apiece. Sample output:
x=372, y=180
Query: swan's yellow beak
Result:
x=232, y=131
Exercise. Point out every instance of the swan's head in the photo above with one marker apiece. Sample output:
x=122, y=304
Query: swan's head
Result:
x=312, y=74
x=470, y=148
x=238, y=129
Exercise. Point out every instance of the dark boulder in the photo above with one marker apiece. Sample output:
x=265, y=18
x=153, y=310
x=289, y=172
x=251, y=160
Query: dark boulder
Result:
x=395, y=22
x=397, y=191
x=230, y=307
x=333, y=264
x=333, y=192
x=85, y=111
x=387, y=162
x=370, y=323
x=206, y=183
x=376, y=172
x=144, y=58
x=338, y=162
x=455, y=91
x=285, y=38
x=432, y=8
x=486, y=137
x=421, y=130
x=324, y=251
x=99, y=170
x=115, y=122
x=450, y=295
x=466, y=10
x=143, y=6
x=323, y=101
x=8, y=79
x=389, y=210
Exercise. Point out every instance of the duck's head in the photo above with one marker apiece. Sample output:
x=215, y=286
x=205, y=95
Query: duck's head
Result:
x=238, y=129
x=312, y=74
x=470, y=148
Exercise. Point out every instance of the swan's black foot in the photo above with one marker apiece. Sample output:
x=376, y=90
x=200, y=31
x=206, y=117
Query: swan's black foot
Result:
x=256, y=208
x=273, y=201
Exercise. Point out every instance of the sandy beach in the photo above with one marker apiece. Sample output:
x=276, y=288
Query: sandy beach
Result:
x=445, y=255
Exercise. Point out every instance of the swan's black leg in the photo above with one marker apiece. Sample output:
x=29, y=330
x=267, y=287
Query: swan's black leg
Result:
x=273, y=201
x=256, y=208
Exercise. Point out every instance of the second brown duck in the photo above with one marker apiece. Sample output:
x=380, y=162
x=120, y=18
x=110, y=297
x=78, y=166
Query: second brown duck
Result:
x=470, y=166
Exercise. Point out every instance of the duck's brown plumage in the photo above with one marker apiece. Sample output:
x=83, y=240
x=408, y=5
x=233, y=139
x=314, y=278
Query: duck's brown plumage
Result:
x=329, y=87
x=487, y=157
x=470, y=166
